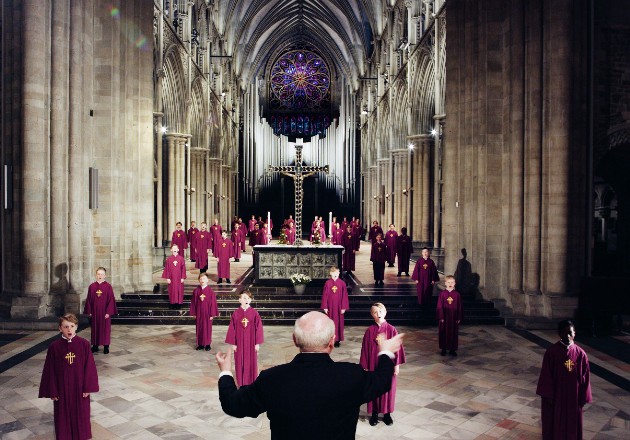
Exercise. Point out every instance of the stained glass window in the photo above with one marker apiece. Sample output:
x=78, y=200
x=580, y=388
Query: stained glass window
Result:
x=300, y=80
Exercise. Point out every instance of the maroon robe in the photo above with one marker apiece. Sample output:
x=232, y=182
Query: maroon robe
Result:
x=291, y=234
x=179, y=239
x=426, y=274
x=204, y=242
x=337, y=236
x=348, y=241
x=100, y=301
x=192, y=235
x=254, y=238
x=224, y=250
x=404, y=249
x=564, y=384
x=335, y=299
x=70, y=371
x=216, y=231
x=451, y=310
x=252, y=225
x=390, y=243
x=238, y=239
x=203, y=306
x=175, y=270
x=245, y=331
x=369, y=359
x=378, y=256
x=374, y=231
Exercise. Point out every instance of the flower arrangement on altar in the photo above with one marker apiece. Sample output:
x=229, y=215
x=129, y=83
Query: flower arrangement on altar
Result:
x=282, y=239
x=317, y=239
x=300, y=279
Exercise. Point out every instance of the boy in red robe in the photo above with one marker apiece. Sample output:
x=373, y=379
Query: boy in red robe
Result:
x=450, y=313
x=348, y=241
x=290, y=232
x=215, y=230
x=378, y=256
x=374, y=231
x=380, y=330
x=245, y=334
x=425, y=275
x=203, y=242
x=335, y=302
x=238, y=238
x=565, y=386
x=100, y=305
x=179, y=238
x=390, y=243
x=175, y=273
x=251, y=225
x=224, y=250
x=68, y=378
x=404, y=249
x=192, y=235
x=203, y=306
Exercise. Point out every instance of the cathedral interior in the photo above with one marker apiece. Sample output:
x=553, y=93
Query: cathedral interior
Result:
x=500, y=128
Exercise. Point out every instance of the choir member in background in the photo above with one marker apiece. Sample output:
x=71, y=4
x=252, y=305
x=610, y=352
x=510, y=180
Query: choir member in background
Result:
x=100, y=305
x=224, y=250
x=203, y=306
x=348, y=241
x=380, y=330
x=344, y=224
x=252, y=223
x=390, y=242
x=191, y=235
x=175, y=273
x=68, y=378
x=425, y=275
x=179, y=238
x=450, y=313
x=204, y=244
x=334, y=226
x=335, y=302
x=245, y=334
x=378, y=256
x=565, y=386
x=254, y=237
x=291, y=232
x=374, y=231
x=234, y=221
x=337, y=235
x=216, y=230
x=404, y=249
x=263, y=237
x=238, y=238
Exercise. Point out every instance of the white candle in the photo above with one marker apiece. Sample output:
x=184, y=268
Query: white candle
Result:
x=268, y=224
x=330, y=225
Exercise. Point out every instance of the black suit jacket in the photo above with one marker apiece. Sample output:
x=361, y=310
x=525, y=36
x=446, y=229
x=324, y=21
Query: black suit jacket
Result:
x=311, y=397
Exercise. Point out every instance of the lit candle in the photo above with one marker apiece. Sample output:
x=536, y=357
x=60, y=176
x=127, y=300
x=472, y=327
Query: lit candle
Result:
x=330, y=225
x=269, y=225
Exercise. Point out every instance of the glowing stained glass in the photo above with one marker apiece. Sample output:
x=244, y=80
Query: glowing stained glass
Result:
x=300, y=80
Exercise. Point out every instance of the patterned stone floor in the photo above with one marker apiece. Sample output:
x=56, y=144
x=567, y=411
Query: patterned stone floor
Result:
x=154, y=385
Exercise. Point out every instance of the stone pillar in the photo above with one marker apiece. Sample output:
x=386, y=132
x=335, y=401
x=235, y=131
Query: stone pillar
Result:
x=159, y=178
x=171, y=141
x=400, y=158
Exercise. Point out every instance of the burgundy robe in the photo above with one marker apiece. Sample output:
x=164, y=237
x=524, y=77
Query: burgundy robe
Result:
x=238, y=239
x=425, y=273
x=192, y=235
x=291, y=235
x=245, y=331
x=335, y=299
x=369, y=360
x=204, y=242
x=224, y=250
x=263, y=237
x=179, y=239
x=70, y=371
x=378, y=256
x=216, y=231
x=348, y=241
x=390, y=242
x=337, y=236
x=252, y=225
x=203, y=306
x=450, y=309
x=404, y=249
x=374, y=231
x=175, y=270
x=565, y=386
x=100, y=301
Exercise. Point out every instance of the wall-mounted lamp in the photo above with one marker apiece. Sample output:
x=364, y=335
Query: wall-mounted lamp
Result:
x=406, y=191
x=189, y=191
x=388, y=195
x=411, y=146
x=163, y=129
x=365, y=110
x=223, y=197
x=209, y=194
x=434, y=132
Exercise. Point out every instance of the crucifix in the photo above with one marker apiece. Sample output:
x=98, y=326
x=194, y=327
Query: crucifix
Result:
x=298, y=173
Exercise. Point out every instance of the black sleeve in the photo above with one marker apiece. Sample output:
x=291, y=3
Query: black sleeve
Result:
x=240, y=403
x=379, y=381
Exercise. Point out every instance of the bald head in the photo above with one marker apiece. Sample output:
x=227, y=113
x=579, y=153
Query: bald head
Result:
x=314, y=332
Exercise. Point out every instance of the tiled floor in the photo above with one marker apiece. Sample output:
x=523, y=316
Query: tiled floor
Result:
x=154, y=385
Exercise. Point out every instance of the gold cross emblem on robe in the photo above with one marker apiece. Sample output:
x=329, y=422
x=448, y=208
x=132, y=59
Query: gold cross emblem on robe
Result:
x=179, y=235
x=202, y=297
x=391, y=235
x=380, y=338
x=201, y=235
x=175, y=263
x=569, y=364
x=70, y=358
x=224, y=244
x=334, y=289
x=450, y=300
x=245, y=321
x=424, y=266
x=99, y=292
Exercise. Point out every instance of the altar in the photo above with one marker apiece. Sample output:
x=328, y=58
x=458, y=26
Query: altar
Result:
x=274, y=264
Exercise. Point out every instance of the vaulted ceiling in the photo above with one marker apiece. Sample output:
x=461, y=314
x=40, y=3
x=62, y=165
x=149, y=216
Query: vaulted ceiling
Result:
x=343, y=30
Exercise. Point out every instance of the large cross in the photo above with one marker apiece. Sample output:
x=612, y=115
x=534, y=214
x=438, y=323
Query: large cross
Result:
x=298, y=173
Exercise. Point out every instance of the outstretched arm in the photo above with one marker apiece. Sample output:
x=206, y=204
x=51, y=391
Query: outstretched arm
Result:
x=242, y=402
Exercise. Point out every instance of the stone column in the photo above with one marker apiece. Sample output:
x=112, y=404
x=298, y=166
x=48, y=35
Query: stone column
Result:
x=159, y=178
x=400, y=158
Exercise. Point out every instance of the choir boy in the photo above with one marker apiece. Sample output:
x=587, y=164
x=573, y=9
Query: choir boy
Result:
x=425, y=275
x=374, y=231
x=215, y=230
x=245, y=334
x=238, y=238
x=203, y=306
x=179, y=238
x=175, y=273
x=378, y=256
x=191, y=235
x=348, y=241
x=335, y=302
x=450, y=313
x=404, y=249
x=224, y=250
x=390, y=243
x=68, y=378
x=204, y=244
x=100, y=305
